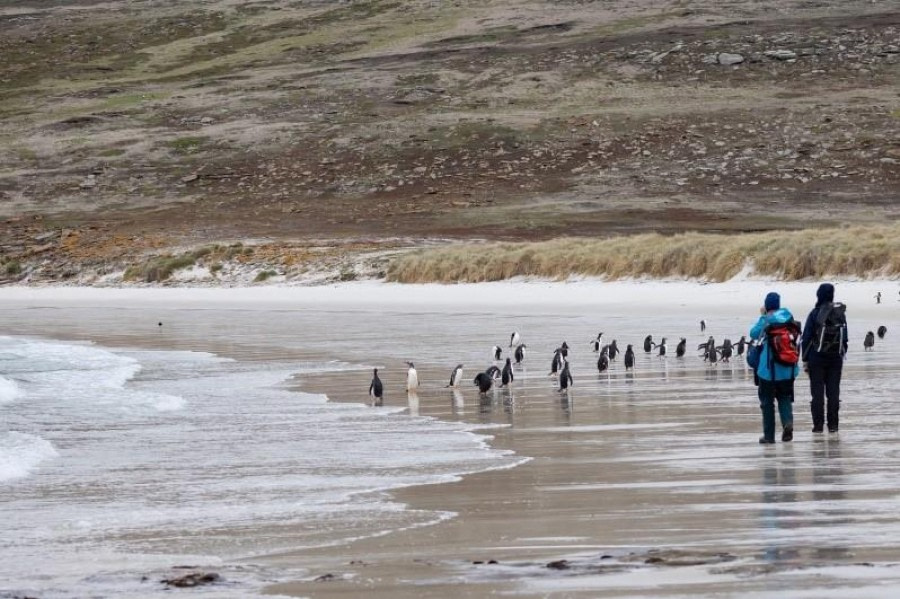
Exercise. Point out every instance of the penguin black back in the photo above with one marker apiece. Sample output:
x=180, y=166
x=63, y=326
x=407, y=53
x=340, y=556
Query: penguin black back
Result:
x=882, y=331
x=629, y=357
x=376, y=389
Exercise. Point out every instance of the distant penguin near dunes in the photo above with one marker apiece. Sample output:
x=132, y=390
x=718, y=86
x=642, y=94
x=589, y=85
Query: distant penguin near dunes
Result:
x=882, y=331
x=456, y=376
x=493, y=372
x=648, y=344
x=376, y=389
x=869, y=341
x=412, y=377
x=514, y=339
x=681, y=348
x=497, y=352
x=629, y=358
x=613, y=350
x=520, y=354
x=565, y=377
x=507, y=376
x=484, y=382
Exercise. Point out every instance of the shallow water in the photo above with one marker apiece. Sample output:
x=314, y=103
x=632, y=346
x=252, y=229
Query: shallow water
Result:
x=665, y=456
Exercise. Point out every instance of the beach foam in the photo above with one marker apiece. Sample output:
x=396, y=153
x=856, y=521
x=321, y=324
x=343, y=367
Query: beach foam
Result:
x=20, y=453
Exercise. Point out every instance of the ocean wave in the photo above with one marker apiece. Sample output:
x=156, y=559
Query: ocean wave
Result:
x=9, y=390
x=21, y=452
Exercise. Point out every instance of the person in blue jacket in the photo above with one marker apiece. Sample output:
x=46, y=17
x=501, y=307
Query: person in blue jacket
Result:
x=824, y=361
x=776, y=381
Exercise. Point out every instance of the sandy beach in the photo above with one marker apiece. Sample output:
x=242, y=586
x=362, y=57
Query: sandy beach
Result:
x=643, y=484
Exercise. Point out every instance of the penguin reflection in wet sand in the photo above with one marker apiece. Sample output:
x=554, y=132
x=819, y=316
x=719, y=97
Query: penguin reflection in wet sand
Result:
x=507, y=376
x=520, y=354
x=514, y=339
x=456, y=376
x=648, y=344
x=629, y=357
x=681, y=348
x=412, y=377
x=376, y=389
x=565, y=377
x=484, y=382
x=869, y=341
x=497, y=352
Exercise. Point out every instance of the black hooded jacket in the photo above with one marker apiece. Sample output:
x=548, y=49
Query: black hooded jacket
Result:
x=824, y=295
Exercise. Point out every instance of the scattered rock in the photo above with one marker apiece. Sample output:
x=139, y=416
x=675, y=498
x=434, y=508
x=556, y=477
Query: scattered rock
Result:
x=194, y=579
x=728, y=59
x=781, y=54
x=560, y=564
x=325, y=578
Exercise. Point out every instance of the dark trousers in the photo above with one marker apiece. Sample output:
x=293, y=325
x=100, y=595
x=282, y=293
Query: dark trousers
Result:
x=825, y=381
x=768, y=392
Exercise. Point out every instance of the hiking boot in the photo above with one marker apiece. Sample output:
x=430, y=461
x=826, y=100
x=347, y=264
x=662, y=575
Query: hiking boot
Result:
x=764, y=441
x=817, y=429
x=832, y=429
x=788, y=433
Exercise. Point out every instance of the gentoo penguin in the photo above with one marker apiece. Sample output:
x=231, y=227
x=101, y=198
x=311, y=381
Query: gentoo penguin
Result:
x=493, y=372
x=613, y=350
x=878, y=298
x=869, y=341
x=727, y=350
x=712, y=354
x=882, y=331
x=484, y=382
x=648, y=344
x=681, y=348
x=565, y=377
x=514, y=339
x=629, y=358
x=708, y=348
x=564, y=349
x=663, y=348
x=520, y=354
x=556, y=364
x=412, y=377
x=456, y=376
x=507, y=376
x=741, y=346
x=702, y=326
x=595, y=346
x=600, y=338
x=376, y=389
x=603, y=362
x=497, y=352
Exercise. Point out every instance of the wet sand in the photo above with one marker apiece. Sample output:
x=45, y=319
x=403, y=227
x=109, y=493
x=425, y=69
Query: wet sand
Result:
x=647, y=485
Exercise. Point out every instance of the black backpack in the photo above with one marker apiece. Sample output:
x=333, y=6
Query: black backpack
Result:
x=830, y=328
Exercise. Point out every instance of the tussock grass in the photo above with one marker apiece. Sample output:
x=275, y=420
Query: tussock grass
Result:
x=789, y=255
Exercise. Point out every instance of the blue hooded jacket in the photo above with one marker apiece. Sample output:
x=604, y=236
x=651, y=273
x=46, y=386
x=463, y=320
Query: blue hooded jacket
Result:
x=766, y=365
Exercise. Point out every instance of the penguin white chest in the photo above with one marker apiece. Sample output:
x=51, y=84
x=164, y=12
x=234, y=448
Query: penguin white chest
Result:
x=412, y=380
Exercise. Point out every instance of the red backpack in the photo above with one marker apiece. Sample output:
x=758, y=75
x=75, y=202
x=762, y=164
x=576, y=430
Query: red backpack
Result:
x=784, y=346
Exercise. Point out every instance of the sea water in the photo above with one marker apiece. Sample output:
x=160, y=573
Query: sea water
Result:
x=116, y=466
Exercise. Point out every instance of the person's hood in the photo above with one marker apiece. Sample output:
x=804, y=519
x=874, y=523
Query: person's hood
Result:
x=780, y=316
x=825, y=294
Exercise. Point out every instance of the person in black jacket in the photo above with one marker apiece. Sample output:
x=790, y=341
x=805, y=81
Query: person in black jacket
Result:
x=824, y=346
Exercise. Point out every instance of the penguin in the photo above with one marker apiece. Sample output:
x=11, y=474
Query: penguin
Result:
x=629, y=358
x=497, y=352
x=708, y=347
x=456, y=376
x=603, y=362
x=600, y=338
x=613, y=350
x=493, y=372
x=556, y=364
x=484, y=382
x=507, y=376
x=727, y=350
x=520, y=353
x=662, y=348
x=882, y=331
x=564, y=349
x=741, y=346
x=376, y=389
x=412, y=377
x=712, y=355
x=565, y=377
x=159, y=324
x=878, y=298
x=595, y=345
x=702, y=326
x=648, y=344
x=869, y=341
x=681, y=348
x=514, y=339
